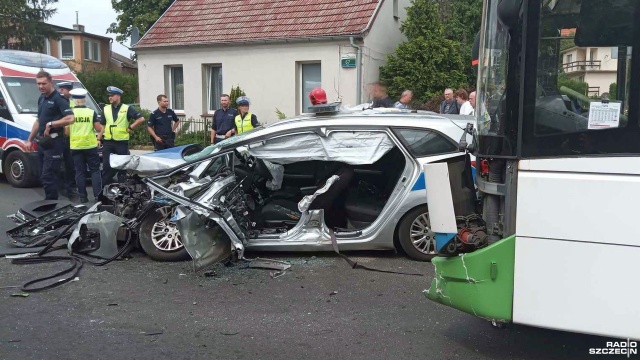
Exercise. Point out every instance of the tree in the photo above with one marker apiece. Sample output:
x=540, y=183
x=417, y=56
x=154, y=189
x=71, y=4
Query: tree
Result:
x=22, y=24
x=141, y=14
x=428, y=62
x=96, y=82
x=235, y=93
x=461, y=20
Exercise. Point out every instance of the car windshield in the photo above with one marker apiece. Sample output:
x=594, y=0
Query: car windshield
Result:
x=24, y=93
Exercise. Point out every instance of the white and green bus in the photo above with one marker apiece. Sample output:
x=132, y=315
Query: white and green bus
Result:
x=551, y=238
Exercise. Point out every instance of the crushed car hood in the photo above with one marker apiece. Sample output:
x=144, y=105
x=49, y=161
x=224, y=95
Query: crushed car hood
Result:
x=155, y=161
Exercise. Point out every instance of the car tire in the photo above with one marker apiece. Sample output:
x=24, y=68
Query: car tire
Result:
x=159, y=237
x=415, y=235
x=17, y=170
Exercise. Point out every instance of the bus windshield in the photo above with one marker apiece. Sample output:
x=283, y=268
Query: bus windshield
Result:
x=585, y=101
x=24, y=93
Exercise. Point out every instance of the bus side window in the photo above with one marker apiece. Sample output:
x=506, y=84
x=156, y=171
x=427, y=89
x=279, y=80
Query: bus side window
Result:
x=3, y=104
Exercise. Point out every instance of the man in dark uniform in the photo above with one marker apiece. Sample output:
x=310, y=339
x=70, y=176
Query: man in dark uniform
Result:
x=68, y=186
x=116, y=131
x=54, y=114
x=162, y=125
x=223, y=121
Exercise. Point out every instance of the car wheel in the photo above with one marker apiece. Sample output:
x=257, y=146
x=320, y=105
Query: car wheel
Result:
x=159, y=237
x=17, y=171
x=415, y=235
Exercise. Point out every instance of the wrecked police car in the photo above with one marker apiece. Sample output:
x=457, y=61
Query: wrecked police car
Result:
x=317, y=182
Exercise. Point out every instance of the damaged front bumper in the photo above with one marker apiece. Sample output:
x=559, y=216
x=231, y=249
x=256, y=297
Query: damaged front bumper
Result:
x=479, y=283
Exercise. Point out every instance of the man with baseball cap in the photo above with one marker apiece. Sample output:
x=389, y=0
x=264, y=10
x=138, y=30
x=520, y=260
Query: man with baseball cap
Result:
x=84, y=144
x=116, y=131
x=68, y=186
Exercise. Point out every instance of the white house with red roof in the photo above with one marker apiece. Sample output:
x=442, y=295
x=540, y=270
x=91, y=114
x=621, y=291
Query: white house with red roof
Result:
x=276, y=51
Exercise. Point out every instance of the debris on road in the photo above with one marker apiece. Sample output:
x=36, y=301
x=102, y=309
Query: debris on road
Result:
x=270, y=264
x=20, y=294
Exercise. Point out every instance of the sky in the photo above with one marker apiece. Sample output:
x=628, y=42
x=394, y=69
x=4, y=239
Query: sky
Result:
x=95, y=15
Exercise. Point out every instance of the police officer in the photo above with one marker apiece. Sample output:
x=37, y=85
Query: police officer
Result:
x=162, y=125
x=245, y=120
x=84, y=144
x=116, y=131
x=53, y=115
x=223, y=124
x=68, y=183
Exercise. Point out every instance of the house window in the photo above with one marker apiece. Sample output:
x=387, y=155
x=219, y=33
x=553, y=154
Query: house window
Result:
x=176, y=87
x=569, y=58
x=310, y=75
x=92, y=51
x=213, y=82
x=593, y=54
x=66, y=48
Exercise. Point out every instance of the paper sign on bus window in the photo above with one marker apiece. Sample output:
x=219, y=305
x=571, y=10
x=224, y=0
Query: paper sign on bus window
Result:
x=604, y=115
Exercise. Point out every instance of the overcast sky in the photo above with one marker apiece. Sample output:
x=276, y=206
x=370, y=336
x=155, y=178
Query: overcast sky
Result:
x=95, y=15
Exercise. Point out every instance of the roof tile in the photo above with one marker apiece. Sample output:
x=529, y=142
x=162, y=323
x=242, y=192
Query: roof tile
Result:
x=190, y=22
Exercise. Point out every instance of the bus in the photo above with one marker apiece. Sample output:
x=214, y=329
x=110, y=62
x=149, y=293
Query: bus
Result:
x=19, y=107
x=548, y=239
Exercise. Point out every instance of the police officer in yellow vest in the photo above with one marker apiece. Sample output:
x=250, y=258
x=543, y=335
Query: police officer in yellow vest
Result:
x=245, y=120
x=67, y=185
x=116, y=131
x=84, y=144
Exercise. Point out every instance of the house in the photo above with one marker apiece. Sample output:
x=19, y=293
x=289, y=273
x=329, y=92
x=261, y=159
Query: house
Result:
x=276, y=51
x=83, y=51
x=596, y=66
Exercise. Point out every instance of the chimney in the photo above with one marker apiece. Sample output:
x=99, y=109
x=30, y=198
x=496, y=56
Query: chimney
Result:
x=77, y=25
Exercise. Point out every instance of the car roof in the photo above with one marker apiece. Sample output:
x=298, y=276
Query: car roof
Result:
x=451, y=125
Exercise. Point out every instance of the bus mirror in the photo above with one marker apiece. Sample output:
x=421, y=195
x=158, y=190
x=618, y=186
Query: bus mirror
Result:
x=475, y=51
x=509, y=12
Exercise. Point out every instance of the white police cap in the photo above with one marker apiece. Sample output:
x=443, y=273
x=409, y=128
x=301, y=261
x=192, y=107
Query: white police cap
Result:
x=65, y=85
x=78, y=93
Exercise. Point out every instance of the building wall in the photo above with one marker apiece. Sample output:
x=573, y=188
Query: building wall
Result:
x=269, y=74
x=383, y=38
x=601, y=79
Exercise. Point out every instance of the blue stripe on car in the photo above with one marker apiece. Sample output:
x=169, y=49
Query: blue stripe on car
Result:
x=421, y=183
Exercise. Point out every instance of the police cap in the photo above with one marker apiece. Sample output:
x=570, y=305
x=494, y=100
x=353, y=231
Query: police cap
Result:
x=112, y=90
x=78, y=93
x=242, y=100
x=65, y=85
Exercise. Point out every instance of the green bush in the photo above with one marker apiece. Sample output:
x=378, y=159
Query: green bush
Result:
x=97, y=81
x=235, y=93
x=575, y=85
x=613, y=91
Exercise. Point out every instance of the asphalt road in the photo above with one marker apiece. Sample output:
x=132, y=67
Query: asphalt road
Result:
x=320, y=309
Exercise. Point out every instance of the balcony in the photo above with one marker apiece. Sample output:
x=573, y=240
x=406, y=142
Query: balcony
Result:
x=581, y=66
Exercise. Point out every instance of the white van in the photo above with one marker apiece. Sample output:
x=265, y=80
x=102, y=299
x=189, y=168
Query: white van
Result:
x=19, y=107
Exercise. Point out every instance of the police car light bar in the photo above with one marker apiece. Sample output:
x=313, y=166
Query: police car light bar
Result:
x=324, y=108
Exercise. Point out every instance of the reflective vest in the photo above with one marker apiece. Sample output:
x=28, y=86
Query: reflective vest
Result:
x=243, y=125
x=81, y=132
x=119, y=131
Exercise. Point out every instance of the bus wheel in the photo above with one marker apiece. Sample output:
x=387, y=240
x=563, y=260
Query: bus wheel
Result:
x=16, y=169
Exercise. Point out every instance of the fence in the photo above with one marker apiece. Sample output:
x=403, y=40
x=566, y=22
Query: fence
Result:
x=190, y=131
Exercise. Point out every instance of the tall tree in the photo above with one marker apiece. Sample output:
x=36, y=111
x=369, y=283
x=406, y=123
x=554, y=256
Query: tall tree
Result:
x=461, y=20
x=22, y=24
x=428, y=62
x=141, y=14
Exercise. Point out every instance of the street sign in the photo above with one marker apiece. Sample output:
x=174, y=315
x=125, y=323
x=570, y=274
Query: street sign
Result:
x=348, y=60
